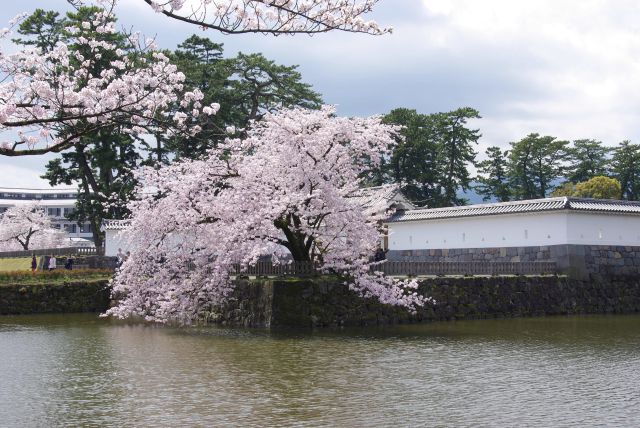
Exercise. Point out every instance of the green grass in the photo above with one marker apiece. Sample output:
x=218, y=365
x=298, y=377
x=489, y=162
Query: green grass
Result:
x=59, y=276
x=17, y=264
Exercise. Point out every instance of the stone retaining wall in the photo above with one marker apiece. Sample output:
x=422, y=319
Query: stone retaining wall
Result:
x=70, y=297
x=612, y=260
x=317, y=302
x=307, y=303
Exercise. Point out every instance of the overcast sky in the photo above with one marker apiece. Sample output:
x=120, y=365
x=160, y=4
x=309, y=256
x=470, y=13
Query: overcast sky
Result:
x=568, y=68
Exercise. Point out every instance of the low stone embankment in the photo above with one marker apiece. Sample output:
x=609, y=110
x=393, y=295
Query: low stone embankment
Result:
x=323, y=302
x=69, y=297
x=310, y=302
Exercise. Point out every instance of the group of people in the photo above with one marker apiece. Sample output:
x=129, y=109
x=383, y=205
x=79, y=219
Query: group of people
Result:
x=50, y=264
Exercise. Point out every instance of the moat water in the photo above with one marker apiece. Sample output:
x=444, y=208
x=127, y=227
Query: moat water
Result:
x=79, y=370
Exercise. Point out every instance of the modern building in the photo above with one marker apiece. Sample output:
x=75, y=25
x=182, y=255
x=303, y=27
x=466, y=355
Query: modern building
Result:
x=583, y=236
x=58, y=203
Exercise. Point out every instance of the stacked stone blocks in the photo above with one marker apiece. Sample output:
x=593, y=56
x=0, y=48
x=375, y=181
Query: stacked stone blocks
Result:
x=576, y=260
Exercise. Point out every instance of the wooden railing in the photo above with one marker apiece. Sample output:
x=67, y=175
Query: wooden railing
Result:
x=467, y=268
x=395, y=268
x=268, y=269
x=70, y=251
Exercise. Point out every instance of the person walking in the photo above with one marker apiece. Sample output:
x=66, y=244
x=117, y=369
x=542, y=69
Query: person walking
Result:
x=69, y=264
x=52, y=263
x=120, y=257
x=34, y=264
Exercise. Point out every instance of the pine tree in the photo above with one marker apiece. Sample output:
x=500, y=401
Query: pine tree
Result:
x=493, y=176
x=625, y=165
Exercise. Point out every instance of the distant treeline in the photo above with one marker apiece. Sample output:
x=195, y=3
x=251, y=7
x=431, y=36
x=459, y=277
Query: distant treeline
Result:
x=435, y=153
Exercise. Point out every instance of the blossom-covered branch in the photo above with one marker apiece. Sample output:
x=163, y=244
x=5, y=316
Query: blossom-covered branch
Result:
x=273, y=16
x=51, y=97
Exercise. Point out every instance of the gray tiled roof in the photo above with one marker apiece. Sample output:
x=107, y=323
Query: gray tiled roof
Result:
x=115, y=224
x=370, y=196
x=533, y=205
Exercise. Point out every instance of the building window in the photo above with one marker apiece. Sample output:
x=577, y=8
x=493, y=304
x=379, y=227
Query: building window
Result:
x=85, y=228
x=54, y=212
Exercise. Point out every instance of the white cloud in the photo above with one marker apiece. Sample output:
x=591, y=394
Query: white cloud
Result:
x=580, y=57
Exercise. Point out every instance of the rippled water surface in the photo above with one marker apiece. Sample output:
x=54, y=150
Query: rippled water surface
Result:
x=79, y=370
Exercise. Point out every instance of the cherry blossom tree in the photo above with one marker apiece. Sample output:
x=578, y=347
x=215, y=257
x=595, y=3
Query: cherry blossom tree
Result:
x=283, y=190
x=28, y=227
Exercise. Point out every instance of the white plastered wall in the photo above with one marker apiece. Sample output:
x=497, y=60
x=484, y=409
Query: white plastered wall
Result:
x=603, y=229
x=113, y=240
x=517, y=230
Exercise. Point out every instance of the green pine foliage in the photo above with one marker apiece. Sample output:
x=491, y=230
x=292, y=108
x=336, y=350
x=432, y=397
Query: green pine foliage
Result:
x=432, y=156
x=493, y=181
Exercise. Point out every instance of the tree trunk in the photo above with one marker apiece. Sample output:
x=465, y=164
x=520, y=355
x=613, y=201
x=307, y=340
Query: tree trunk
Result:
x=296, y=242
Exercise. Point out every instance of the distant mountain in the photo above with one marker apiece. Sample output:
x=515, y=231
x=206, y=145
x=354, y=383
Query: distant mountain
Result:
x=471, y=196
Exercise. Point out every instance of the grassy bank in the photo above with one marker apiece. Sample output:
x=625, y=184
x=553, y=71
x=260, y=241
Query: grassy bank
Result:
x=59, y=276
x=15, y=264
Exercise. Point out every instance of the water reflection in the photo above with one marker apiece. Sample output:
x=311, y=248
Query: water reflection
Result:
x=80, y=370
